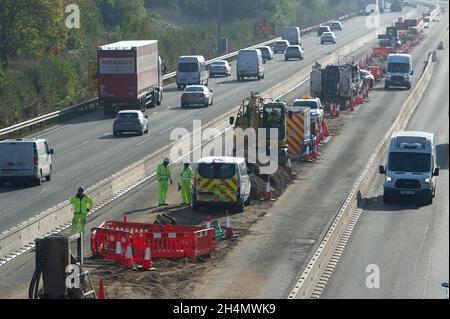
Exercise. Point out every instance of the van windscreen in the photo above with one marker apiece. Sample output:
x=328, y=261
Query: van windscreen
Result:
x=217, y=170
x=409, y=162
x=188, y=67
x=398, y=67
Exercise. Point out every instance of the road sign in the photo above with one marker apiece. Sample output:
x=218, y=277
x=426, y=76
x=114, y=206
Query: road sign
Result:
x=264, y=27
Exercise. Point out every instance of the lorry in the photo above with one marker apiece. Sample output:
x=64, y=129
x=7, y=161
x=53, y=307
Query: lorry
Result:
x=129, y=76
x=292, y=34
x=369, y=6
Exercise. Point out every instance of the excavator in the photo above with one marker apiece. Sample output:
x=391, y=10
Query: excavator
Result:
x=264, y=114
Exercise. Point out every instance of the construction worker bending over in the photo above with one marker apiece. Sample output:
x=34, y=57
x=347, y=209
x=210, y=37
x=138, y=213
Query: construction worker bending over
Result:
x=163, y=177
x=81, y=204
x=186, y=183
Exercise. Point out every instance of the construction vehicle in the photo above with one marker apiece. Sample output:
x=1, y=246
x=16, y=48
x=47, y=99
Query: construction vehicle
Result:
x=336, y=84
x=263, y=114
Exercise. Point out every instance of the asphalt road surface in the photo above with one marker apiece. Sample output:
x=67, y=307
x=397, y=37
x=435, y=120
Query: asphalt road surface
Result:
x=408, y=242
x=86, y=152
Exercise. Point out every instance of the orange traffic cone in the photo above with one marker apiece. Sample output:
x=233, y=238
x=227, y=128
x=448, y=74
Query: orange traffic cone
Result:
x=118, y=252
x=268, y=192
x=315, y=154
x=147, y=265
x=208, y=221
x=101, y=290
x=332, y=110
x=326, y=131
x=229, y=229
x=129, y=256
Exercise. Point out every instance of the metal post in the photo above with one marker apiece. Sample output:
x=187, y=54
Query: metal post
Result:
x=219, y=22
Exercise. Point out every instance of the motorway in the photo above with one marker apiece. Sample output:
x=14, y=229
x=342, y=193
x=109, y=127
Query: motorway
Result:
x=86, y=151
x=408, y=242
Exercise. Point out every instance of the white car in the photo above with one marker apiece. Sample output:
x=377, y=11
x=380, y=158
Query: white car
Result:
x=220, y=67
x=315, y=106
x=327, y=37
x=197, y=95
x=266, y=52
x=336, y=25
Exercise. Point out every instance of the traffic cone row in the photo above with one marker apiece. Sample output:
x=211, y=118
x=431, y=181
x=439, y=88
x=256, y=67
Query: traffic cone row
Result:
x=229, y=233
x=101, y=290
x=268, y=192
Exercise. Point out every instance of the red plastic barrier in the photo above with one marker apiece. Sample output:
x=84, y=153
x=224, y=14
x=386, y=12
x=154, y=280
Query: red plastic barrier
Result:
x=169, y=241
x=383, y=52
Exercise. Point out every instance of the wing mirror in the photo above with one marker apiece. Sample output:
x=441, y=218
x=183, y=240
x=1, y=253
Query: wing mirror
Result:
x=51, y=152
x=412, y=72
x=445, y=285
x=231, y=120
x=436, y=171
x=146, y=116
x=382, y=170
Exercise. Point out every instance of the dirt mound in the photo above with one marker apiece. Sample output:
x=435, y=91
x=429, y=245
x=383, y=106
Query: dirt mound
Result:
x=278, y=181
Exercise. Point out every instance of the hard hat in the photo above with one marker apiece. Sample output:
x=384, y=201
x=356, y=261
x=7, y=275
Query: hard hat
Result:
x=81, y=189
x=186, y=161
x=166, y=159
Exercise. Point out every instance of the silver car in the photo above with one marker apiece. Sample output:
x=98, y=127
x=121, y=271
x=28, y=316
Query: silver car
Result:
x=293, y=52
x=266, y=52
x=197, y=95
x=327, y=37
x=280, y=46
x=220, y=67
x=130, y=121
x=336, y=25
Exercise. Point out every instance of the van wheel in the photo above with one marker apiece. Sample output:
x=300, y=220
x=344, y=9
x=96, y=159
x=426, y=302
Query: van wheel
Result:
x=240, y=206
x=259, y=78
x=248, y=201
x=48, y=178
x=38, y=181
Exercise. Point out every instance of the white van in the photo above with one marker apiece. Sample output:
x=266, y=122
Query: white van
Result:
x=25, y=160
x=399, y=70
x=250, y=64
x=291, y=34
x=411, y=166
x=221, y=181
x=191, y=70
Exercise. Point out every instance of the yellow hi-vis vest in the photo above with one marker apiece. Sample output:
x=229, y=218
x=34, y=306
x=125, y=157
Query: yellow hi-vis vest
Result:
x=81, y=205
x=187, y=174
x=163, y=172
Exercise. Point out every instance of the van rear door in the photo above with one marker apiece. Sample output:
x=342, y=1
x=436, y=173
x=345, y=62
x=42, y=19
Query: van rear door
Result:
x=17, y=159
x=217, y=182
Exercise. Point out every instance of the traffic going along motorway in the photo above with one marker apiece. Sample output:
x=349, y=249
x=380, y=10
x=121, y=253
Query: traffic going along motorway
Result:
x=401, y=248
x=291, y=234
x=86, y=151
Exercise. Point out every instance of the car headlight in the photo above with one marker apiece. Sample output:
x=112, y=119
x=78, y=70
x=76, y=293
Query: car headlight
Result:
x=388, y=179
x=406, y=76
x=388, y=76
x=427, y=181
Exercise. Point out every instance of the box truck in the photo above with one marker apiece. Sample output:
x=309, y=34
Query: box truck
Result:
x=129, y=76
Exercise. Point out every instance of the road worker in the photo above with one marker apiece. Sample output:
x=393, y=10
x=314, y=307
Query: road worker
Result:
x=81, y=204
x=163, y=177
x=186, y=183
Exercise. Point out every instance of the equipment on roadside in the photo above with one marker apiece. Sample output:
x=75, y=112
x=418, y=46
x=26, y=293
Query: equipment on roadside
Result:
x=298, y=124
x=63, y=276
x=263, y=114
x=164, y=219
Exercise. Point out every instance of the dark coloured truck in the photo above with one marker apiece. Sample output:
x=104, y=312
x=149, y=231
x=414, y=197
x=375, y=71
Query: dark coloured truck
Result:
x=129, y=76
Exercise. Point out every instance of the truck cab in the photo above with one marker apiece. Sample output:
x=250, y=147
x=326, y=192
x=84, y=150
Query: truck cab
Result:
x=411, y=167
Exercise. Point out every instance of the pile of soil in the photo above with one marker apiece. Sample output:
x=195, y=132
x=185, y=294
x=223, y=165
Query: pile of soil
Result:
x=278, y=182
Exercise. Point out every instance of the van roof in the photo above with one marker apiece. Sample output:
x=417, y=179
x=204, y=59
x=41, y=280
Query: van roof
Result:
x=126, y=45
x=400, y=55
x=38, y=140
x=412, y=141
x=222, y=159
x=192, y=57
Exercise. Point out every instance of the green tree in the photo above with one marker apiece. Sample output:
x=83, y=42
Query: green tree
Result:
x=27, y=26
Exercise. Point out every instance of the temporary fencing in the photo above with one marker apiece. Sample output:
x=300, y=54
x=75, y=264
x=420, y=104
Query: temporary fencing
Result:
x=168, y=241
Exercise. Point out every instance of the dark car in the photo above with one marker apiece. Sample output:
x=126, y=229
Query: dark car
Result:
x=197, y=95
x=130, y=121
x=322, y=29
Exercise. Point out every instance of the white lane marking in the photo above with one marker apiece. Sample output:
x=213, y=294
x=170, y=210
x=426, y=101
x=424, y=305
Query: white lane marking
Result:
x=72, y=148
x=144, y=141
x=166, y=130
x=294, y=88
x=186, y=120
